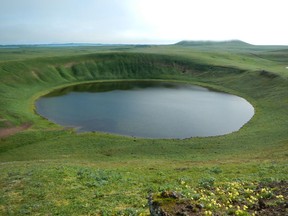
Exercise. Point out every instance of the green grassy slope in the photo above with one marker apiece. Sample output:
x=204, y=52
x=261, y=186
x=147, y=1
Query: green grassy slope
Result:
x=51, y=170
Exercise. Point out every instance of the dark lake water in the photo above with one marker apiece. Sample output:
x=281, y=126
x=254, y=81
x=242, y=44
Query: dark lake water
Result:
x=146, y=109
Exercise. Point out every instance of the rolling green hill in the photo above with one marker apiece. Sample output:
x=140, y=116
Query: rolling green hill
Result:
x=49, y=170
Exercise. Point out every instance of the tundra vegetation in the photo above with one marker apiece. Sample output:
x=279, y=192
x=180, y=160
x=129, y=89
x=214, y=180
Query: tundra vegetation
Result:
x=50, y=170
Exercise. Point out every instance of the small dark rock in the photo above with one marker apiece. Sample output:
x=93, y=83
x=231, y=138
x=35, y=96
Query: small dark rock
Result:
x=261, y=203
x=182, y=214
x=175, y=195
x=165, y=194
x=200, y=206
x=170, y=194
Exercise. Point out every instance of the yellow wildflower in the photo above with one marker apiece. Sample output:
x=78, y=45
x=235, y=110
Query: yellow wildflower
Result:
x=281, y=197
x=208, y=213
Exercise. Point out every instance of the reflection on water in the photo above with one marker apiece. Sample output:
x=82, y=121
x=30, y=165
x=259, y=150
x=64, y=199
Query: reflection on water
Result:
x=146, y=109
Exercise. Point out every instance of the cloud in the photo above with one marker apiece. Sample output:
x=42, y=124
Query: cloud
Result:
x=114, y=21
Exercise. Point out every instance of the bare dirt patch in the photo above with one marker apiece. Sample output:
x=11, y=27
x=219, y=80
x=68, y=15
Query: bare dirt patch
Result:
x=272, y=201
x=5, y=132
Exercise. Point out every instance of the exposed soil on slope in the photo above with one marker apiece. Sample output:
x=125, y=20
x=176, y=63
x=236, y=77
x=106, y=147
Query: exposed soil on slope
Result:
x=172, y=204
x=5, y=132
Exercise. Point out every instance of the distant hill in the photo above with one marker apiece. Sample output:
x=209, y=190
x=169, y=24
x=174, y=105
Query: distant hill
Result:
x=237, y=43
x=229, y=45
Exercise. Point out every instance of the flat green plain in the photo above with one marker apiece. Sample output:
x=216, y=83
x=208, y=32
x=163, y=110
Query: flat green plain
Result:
x=50, y=170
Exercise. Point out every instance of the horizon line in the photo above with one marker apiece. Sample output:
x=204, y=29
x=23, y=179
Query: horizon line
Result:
x=131, y=44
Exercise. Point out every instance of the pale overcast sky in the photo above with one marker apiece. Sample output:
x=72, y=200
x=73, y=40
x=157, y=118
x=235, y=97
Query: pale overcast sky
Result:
x=143, y=21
